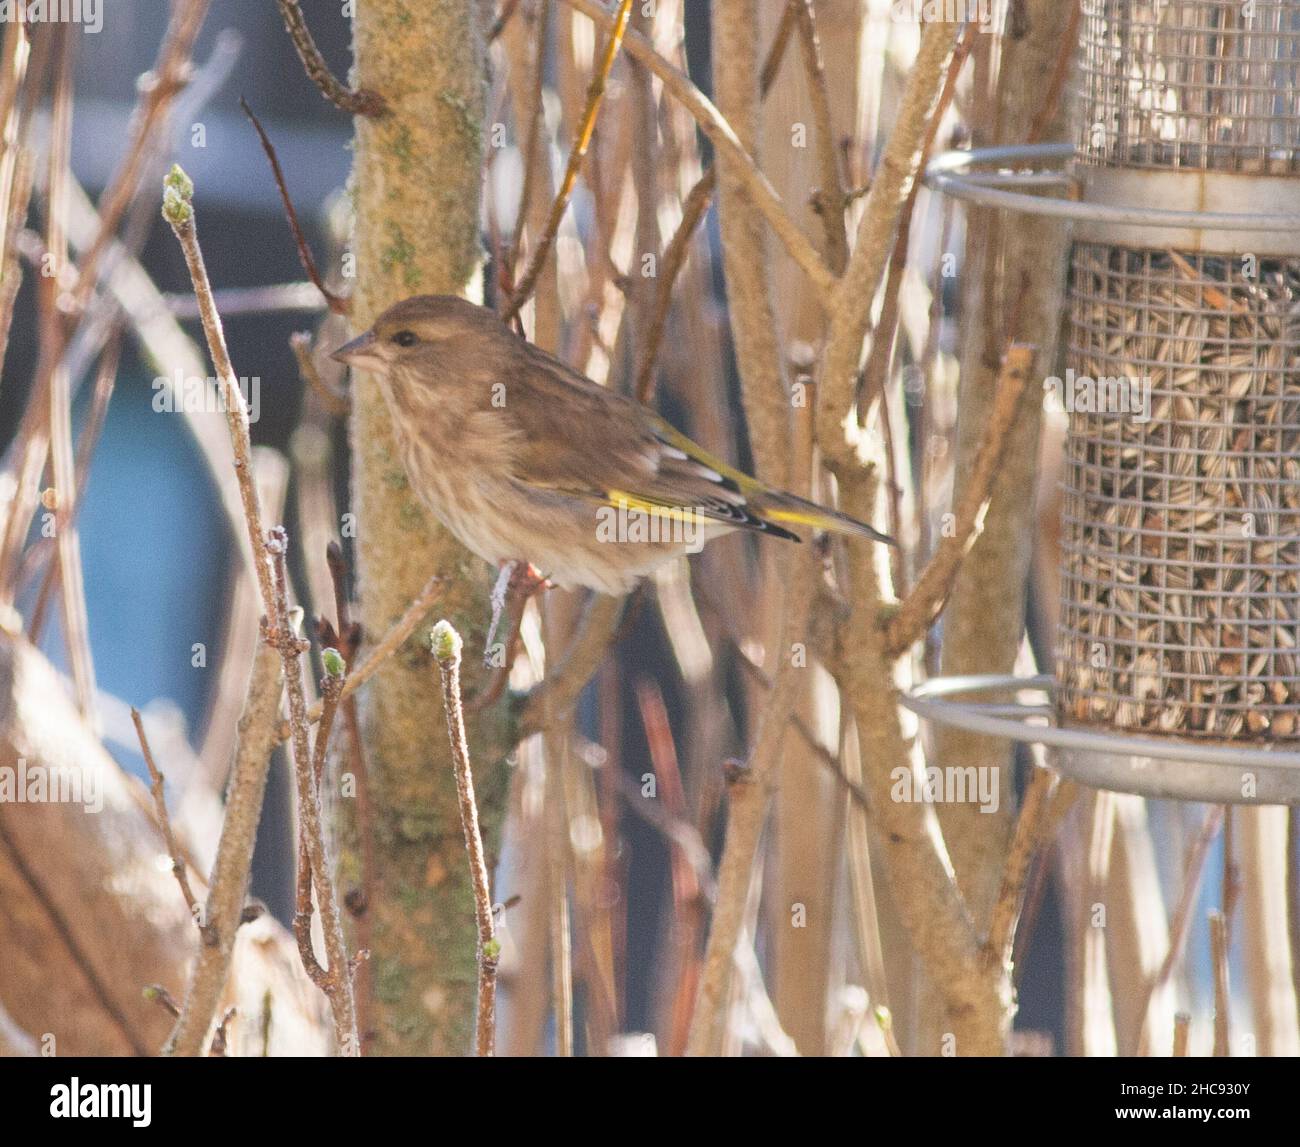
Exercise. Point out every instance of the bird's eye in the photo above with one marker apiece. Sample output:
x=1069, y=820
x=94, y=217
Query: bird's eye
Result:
x=406, y=338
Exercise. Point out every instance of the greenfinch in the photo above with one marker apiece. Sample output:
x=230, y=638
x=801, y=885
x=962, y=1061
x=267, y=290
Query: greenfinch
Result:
x=526, y=460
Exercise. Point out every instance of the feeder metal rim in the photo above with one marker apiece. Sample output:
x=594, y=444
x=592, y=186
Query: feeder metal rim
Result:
x=932, y=701
x=949, y=173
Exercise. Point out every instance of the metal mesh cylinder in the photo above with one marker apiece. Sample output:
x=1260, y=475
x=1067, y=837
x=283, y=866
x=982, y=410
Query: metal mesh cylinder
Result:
x=1180, y=563
x=1200, y=84
x=1181, y=525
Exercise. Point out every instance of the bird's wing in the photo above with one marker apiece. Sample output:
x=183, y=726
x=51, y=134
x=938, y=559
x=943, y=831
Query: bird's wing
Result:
x=589, y=442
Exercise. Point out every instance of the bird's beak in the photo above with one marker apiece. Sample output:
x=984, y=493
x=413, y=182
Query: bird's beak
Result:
x=360, y=352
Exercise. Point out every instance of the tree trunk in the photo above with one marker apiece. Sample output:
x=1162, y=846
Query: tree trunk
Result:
x=416, y=187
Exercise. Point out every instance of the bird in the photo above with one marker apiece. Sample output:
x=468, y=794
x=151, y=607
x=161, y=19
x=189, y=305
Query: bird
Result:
x=524, y=459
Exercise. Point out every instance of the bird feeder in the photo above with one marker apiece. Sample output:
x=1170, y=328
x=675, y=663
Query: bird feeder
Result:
x=1178, y=646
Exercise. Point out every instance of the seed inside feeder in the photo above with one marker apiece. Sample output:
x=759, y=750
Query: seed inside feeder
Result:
x=1181, y=541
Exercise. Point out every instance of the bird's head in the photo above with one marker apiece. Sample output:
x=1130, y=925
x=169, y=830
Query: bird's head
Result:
x=410, y=334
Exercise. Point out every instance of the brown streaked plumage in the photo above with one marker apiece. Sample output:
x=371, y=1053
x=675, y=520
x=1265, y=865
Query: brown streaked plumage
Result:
x=523, y=458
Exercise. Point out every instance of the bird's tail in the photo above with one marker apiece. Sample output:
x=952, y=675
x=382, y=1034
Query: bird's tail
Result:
x=781, y=507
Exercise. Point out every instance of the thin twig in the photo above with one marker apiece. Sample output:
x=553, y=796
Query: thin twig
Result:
x=337, y=980
x=829, y=199
x=337, y=303
x=11, y=267
x=179, y=868
x=1069, y=45
x=357, y=900
x=560, y=689
x=447, y=650
x=389, y=644
x=676, y=830
x=243, y=807
x=331, y=688
x=807, y=733
x=220, y=1040
x=334, y=400
x=359, y=102
x=558, y=854
x=223, y=911
x=105, y=380
x=1182, y=1033
x=1219, y=956
x=776, y=52
x=1230, y=887
x=72, y=596
x=919, y=609
x=178, y=210
x=159, y=995
x=879, y=355
x=581, y=141
x=159, y=87
x=1180, y=925
x=302, y=909
x=503, y=18
x=850, y=313
x=535, y=124
x=723, y=138
x=694, y=208
x=19, y=78
x=1029, y=837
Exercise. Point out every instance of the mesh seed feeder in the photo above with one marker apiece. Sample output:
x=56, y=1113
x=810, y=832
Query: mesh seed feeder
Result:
x=1178, y=646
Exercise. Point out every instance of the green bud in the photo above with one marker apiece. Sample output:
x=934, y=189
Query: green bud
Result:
x=446, y=642
x=492, y=949
x=176, y=208
x=176, y=180
x=333, y=661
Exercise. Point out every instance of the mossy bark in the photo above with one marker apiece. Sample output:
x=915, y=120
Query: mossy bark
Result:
x=415, y=186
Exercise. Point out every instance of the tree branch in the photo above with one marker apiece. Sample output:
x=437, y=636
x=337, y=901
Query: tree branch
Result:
x=178, y=210
x=919, y=609
x=850, y=312
x=359, y=102
x=694, y=208
x=1031, y=827
x=228, y=887
x=179, y=868
x=336, y=982
x=559, y=690
x=830, y=198
x=581, y=141
x=447, y=649
x=336, y=303
x=721, y=135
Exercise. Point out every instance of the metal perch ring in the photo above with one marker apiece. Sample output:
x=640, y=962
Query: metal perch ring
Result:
x=1151, y=766
x=1105, y=204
